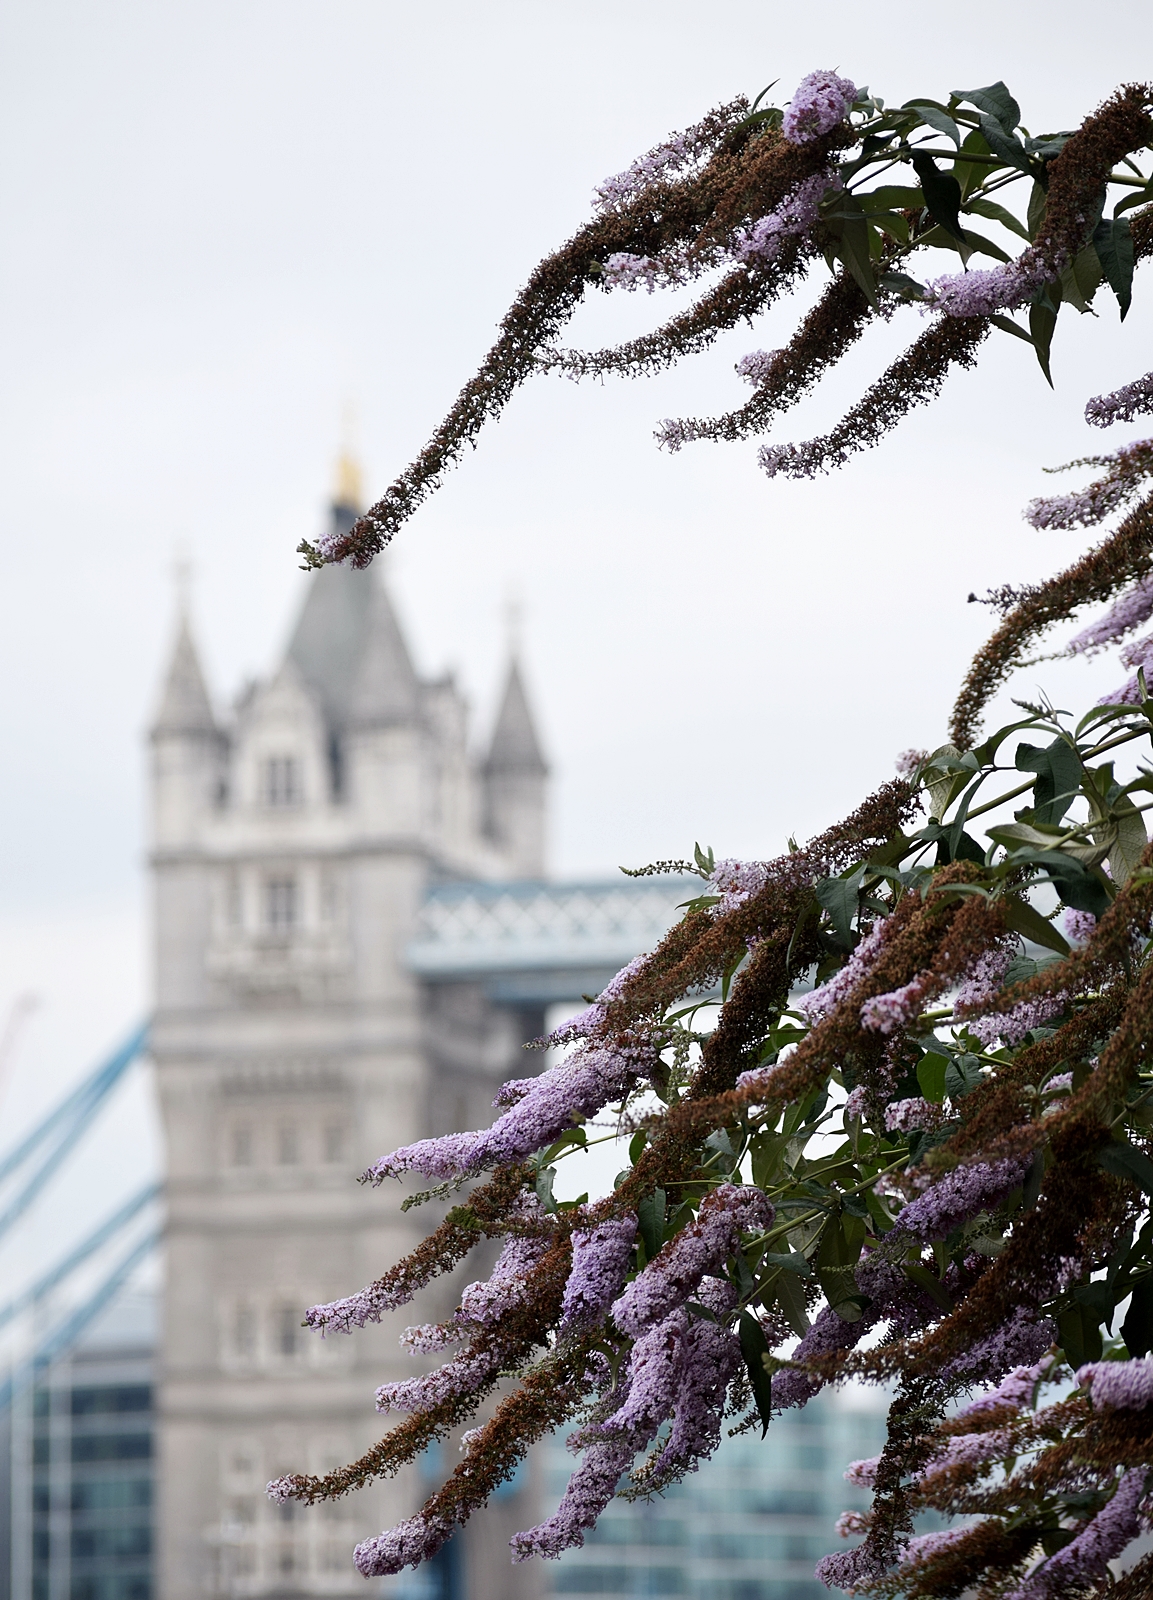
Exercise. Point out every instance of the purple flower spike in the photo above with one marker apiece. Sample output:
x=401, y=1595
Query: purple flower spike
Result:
x=1088, y=1555
x=406, y=1545
x=590, y=1079
x=1119, y=1385
x=600, y=1263
x=698, y=1250
x=957, y=1196
x=1126, y=613
x=1130, y=401
x=822, y=99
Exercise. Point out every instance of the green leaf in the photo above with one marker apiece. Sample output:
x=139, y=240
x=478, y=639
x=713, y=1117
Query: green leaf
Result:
x=962, y=1076
x=931, y=1070
x=934, y=117
x=544, y=1182
x=892, y=197
x=838, y=896
x=1126, y=854
x=1007, y=325
x=924, y=1279
x=767, y=1150
x=1097, y=1298
x=946, y=776
x=942, y=193
x=791, y=1298
x=1113, y=242
x=846, y=222
x=1137, y=1329
x=986, y=247
x=788, y=1261
x=636, y=1144
x=995, y=213
x=837, y=1255
x=651, y=1221
x=996, y=101
x=972, y=174
x=1124, y=1160
x=1011, y=151
x=754, y=1348
x=1081, y=278
x=1080, y=1335
x=1038, y=207
x=1058, y=770
x=1022, y=918
x=1042, y=321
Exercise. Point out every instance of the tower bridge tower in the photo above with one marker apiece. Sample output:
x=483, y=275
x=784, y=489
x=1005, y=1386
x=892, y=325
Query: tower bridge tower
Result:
x=294, y=844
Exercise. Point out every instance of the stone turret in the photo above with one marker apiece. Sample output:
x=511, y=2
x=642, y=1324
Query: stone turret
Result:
x=187, y=747
x=514, y=775
x=294, y=1044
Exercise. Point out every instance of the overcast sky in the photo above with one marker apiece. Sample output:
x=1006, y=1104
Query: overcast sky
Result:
x=221, y=223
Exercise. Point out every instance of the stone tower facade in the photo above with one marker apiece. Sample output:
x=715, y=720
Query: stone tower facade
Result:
x=293, y=843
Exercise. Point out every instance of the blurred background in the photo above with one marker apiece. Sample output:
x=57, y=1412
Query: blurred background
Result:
x=239, y=238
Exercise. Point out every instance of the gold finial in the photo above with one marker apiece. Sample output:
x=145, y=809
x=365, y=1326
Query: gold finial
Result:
x=348, y=487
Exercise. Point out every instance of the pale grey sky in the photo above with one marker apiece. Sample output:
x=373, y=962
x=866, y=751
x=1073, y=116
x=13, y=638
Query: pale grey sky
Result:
x=222, y=221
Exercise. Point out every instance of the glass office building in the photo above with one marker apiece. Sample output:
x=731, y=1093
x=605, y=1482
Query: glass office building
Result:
x=79, y=1476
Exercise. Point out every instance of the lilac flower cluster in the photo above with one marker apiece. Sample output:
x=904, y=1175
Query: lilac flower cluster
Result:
x=756, y=366
x=908, y=761
x=712, y=1360
x=587, y=1493
x=1016, y=1390
x=1012, y=1026
x=983, y=981
x=736, y=882
x=1087, y=507
x=925, y=1546
x=819, y=1002
x=1079, y=926
x=369, y=1304
x=885, y=1013
x=1087, y=1557
x=600, y=1264
x=849, y=1569
x=668, y=159
x=797, y=214
x=580, y=1086
x=829, y=1335
x=970, y=1450
x=464, y=1375
x=906, y=1116
x=987, y=290
x=1119, y=1385
x=1129, y=611
x=592, y=1018
x=958, y=1196
x=406, y=1545
x=1130, y=401
x=679, y=1367
x=851, y=1523
x=699, y=1249
x=821, y=101
x=1021, y=1339
x=623, y=271
x=862, y=1474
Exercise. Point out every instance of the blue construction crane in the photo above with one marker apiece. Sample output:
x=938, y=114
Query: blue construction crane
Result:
x=32, y=1163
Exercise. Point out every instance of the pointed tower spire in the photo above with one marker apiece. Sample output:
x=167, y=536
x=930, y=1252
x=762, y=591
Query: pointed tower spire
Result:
x=184, y=703
x=513, y=780
x=385, y=690
x=515, y=747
